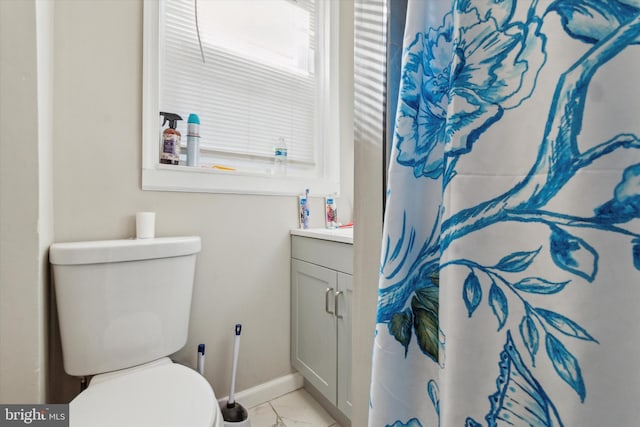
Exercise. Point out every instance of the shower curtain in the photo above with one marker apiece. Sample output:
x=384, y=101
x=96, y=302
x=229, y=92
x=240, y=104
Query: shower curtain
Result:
x=509, y=280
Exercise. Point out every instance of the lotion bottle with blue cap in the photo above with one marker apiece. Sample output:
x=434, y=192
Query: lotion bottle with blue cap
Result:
x=193, y=139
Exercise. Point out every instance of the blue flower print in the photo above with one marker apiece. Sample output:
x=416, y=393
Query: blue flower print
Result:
x=487, y=88
x=424, y=99
x=487, y=64
x=472, y=67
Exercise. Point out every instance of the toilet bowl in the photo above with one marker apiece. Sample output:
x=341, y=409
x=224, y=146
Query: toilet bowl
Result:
x=123, y=308
x=159, y=394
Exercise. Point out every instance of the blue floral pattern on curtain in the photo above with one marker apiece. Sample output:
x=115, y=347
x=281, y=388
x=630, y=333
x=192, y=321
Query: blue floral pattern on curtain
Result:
x=512, y=232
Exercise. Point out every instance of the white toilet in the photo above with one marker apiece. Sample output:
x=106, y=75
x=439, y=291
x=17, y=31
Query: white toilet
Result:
x=123, y=307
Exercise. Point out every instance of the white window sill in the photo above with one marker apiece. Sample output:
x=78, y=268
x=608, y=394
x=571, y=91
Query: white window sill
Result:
x=203, y=180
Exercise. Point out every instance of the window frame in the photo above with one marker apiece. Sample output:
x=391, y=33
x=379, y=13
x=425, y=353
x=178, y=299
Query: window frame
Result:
x=324, y=179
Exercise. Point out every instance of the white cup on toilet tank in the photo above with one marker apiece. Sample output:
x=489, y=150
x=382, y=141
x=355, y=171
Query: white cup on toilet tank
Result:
x=145, y=225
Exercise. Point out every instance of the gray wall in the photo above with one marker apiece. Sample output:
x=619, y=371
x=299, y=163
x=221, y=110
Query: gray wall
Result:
x=369, y=122
x=95, y=92
x=243, y=270
x=25, y=198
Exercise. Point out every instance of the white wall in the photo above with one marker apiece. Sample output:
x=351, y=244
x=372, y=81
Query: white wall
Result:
x=367, y=238
x=369, y=118
x=76, y=67
x=345, y=88
x=25, y=197
x=243, y=269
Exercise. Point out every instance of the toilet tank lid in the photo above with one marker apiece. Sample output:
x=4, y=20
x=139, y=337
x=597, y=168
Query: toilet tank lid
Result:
x=104, y=251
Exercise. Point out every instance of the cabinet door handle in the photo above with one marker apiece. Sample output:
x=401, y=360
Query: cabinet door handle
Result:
x=326, y=300
x=335, y=301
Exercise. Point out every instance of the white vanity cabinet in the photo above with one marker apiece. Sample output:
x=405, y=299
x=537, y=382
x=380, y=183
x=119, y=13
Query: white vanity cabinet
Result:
x=321, y=294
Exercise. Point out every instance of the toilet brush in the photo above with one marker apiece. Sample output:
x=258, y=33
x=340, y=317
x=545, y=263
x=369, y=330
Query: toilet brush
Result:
x=234, y=413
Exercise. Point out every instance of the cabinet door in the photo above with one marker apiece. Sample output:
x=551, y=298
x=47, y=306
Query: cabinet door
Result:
x=343, y=314
x=313, y=325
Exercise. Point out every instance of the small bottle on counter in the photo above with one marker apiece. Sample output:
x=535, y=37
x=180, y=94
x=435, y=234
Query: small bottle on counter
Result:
x=303, y=210
x=193, y=139
x=170, y=147
x=280, y=157
x=331, y=212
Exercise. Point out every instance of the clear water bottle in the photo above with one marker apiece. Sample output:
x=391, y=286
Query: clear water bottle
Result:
x=280, y=157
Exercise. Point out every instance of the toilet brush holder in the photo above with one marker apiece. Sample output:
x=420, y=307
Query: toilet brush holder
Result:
x=233, y=413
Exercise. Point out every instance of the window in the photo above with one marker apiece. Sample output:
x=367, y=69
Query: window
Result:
x=254, y=71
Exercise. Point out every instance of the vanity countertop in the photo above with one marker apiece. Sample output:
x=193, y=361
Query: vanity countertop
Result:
x=342, y=235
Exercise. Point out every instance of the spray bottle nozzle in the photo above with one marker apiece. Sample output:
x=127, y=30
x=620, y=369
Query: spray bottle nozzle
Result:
x=172, y=118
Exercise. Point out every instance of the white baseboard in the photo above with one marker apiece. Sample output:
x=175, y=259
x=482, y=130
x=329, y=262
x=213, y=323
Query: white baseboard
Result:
x=267, y=391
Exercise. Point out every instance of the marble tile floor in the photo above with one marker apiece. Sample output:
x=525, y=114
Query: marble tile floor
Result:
x=297, y=408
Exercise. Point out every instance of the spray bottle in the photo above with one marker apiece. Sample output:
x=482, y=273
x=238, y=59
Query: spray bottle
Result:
x=170, y=146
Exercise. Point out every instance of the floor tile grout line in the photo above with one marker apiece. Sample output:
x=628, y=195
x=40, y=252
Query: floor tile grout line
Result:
x=279, y=420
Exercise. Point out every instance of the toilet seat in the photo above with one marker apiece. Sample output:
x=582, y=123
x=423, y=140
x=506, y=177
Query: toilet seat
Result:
x=158, y=394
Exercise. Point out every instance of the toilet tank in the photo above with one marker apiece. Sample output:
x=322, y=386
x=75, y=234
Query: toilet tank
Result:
x=122, y=303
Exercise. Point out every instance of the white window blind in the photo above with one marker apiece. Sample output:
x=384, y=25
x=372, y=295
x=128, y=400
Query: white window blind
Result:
x=258, y=81
x=370, y=59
